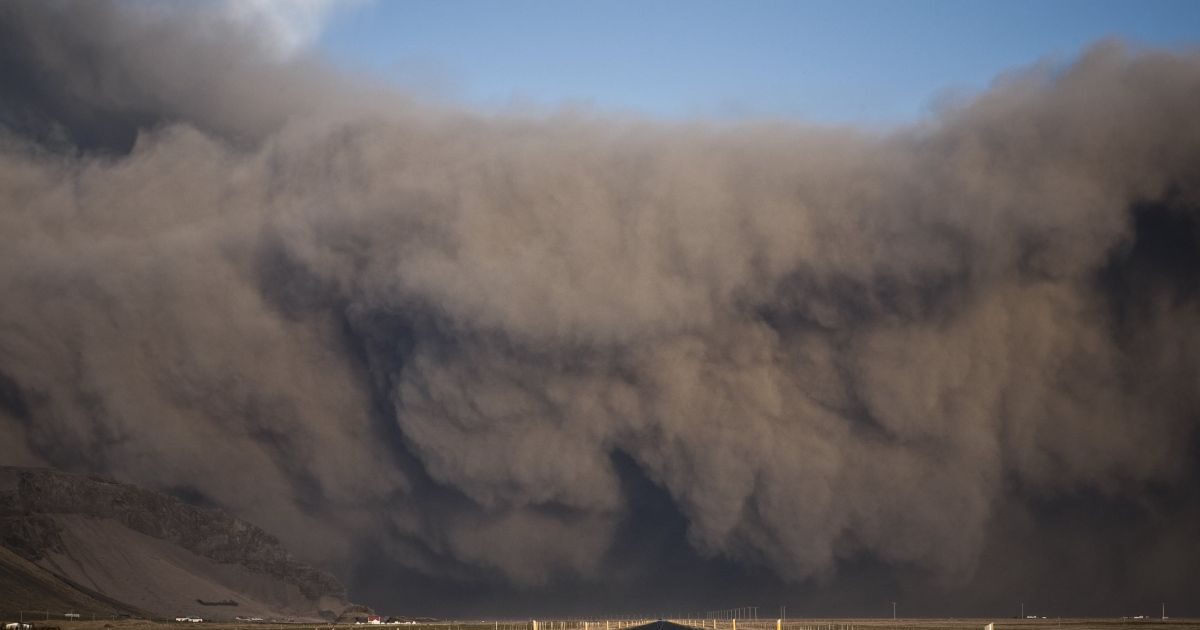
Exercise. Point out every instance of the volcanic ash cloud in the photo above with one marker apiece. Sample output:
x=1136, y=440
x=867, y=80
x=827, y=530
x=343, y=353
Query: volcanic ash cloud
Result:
x=345, y=315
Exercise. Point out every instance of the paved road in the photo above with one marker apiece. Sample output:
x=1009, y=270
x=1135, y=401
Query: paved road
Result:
x=661, y=625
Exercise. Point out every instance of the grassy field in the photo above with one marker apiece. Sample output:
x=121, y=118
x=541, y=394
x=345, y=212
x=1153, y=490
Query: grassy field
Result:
x=1001, y=623
x=790, y=624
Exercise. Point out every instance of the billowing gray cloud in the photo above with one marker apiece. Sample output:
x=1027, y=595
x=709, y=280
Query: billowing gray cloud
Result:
x=348, y=317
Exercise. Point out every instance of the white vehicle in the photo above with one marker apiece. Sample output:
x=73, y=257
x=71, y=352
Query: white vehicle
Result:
x=17, y=626
x=189, y=619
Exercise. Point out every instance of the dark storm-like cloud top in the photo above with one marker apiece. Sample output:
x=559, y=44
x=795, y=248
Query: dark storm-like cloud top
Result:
x=344, y=315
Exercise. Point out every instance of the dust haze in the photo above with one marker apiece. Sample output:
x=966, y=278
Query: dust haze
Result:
x=463, y=355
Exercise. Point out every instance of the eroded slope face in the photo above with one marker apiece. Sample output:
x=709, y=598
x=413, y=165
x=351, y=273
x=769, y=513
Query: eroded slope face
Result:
x=155, y=553
x=26, y=586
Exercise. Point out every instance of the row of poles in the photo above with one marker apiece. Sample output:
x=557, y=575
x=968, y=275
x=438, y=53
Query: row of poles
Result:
x=45, y=615
x=750, y=623
x=746, y=612
x=585, y=624
x=730, y=619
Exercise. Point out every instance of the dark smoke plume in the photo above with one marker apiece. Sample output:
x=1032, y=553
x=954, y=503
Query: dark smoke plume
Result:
x=497, y=356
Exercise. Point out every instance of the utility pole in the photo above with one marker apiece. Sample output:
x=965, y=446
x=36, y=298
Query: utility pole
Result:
x=893, y=611
x=1164, y=610
x=1022, y=610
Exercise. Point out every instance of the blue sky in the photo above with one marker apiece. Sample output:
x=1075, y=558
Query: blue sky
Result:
x=872, y=62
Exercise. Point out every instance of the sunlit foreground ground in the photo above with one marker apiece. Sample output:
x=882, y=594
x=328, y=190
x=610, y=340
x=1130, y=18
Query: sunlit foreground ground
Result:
x=1000, y=623
x=625, y=623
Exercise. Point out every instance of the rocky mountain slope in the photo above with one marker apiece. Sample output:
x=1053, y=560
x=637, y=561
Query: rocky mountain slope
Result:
x=121, y=548
x=24, y=586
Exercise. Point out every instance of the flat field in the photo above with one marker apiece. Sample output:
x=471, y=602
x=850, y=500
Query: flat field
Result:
x=789, y=624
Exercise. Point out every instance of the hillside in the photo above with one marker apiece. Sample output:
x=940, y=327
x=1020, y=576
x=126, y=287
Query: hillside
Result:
x=26, y=586
x=99, y=546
